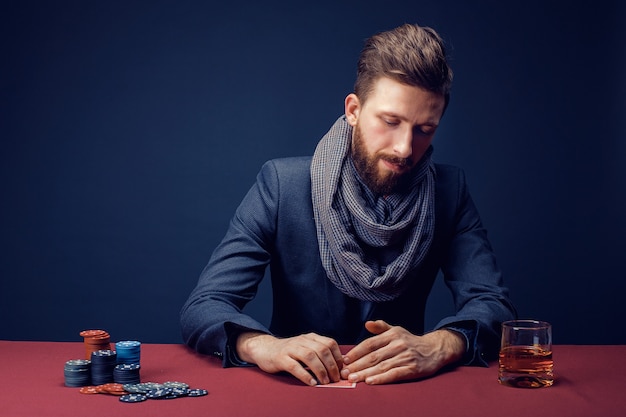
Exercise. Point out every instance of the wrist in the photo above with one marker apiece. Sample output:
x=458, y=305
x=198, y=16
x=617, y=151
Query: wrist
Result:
x=247, y=343
x=452, y=345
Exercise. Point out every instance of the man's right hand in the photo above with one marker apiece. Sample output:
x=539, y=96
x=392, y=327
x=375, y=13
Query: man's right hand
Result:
x=299, y=355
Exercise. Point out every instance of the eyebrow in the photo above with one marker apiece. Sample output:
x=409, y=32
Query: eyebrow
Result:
x=430, y=123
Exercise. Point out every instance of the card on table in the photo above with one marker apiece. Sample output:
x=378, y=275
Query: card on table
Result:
x=344, y=383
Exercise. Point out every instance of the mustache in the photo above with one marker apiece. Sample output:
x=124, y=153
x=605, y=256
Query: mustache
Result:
x=401, y=162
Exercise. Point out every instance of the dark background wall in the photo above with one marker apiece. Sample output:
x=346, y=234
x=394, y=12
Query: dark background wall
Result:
x=131, y=130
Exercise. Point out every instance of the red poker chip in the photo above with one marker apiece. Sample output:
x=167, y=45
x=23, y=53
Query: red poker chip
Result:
x=89, y=390
x=93, y=333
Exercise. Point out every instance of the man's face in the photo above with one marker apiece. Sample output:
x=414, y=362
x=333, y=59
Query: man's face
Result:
x=392, y=131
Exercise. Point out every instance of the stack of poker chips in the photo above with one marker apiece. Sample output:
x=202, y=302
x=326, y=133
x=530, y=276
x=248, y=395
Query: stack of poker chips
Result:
x=77, y=373
x=103, y=363
x=128, y=352
x=126, y=373
x=128, y=359
x=95, y=340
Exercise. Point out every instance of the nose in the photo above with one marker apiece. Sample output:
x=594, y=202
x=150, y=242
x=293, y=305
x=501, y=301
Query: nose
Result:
x=403, y=144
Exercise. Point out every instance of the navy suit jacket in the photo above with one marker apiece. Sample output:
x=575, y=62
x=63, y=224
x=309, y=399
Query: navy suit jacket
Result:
x=274, y=226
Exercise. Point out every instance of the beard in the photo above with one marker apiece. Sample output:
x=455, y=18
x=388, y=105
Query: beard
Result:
x=380, y=182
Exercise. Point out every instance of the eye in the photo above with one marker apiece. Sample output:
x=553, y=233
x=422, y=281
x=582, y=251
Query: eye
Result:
x=390, y=122
x=425, y=130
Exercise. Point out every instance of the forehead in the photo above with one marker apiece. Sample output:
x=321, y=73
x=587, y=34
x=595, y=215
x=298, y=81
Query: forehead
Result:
x=406, y=101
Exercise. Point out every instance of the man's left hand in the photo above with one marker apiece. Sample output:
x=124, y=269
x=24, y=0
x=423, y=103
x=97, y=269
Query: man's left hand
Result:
x=394, y=354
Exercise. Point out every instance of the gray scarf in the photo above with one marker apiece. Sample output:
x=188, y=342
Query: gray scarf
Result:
x=349, y=230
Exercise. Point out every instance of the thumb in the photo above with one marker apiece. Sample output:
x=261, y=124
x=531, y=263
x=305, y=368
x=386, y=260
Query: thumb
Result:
x=377, y=327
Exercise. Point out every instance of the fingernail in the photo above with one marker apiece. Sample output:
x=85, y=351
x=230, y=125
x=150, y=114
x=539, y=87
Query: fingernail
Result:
x=312, y=382
x=345, y=373
x=346, y=360
x=353, y=377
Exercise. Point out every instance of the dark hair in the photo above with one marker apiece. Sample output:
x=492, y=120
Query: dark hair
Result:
x=409, y=54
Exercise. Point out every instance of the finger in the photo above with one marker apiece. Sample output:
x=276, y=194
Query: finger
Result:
x=373, y=377
x=399, y=360
x=334, y=364
x=394, y=366
x=377, y=327
x=368, y=364
x=296, y=369
x=369, y=345
x=323, y=358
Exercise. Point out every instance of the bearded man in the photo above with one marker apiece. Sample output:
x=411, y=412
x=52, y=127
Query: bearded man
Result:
x=355, y=237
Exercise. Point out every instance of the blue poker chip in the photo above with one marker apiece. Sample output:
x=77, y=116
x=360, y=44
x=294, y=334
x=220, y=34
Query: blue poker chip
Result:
x=102, y=364
x=128, y=366
x=197, y=392
x=128, y=351
x=126, y=373
x=128, y=344
x=133, y=398
x=178, y=392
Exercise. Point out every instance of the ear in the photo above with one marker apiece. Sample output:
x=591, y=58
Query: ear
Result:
x=352, y=108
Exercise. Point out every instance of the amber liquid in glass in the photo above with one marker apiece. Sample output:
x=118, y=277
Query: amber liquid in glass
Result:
x=526, y=367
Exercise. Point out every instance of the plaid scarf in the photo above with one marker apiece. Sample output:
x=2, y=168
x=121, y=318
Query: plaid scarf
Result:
x=356, y=231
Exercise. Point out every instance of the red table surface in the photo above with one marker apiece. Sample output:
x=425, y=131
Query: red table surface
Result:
x=591, y=381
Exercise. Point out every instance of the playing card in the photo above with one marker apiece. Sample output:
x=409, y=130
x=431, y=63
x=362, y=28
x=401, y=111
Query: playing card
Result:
x=340, y=384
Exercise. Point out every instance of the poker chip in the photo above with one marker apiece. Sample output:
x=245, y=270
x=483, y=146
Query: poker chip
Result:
x=111, y=389
x=89, y=390
x=132, y=388
x=159, y=393
x=197, y=392
x=77, y=364
x=132, y=393
x=144, y=387
x=177, y=392
x=95, y=340
x=128, y=351
x=133, y=398
x=103, y=363
x=127, y=373
x=116, y=372
x=175, y=384
x=77, y=373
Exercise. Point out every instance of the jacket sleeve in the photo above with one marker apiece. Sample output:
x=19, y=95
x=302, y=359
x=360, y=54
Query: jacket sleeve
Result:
x=230, y=280
x=471, y=273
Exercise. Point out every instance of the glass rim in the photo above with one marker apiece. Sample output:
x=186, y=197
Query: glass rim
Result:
x=526, y=324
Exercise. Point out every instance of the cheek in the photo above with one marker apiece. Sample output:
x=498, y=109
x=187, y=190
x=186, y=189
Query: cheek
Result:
x=378, y=138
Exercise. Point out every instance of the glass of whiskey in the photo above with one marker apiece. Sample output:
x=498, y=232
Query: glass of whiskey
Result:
x=525, y=359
